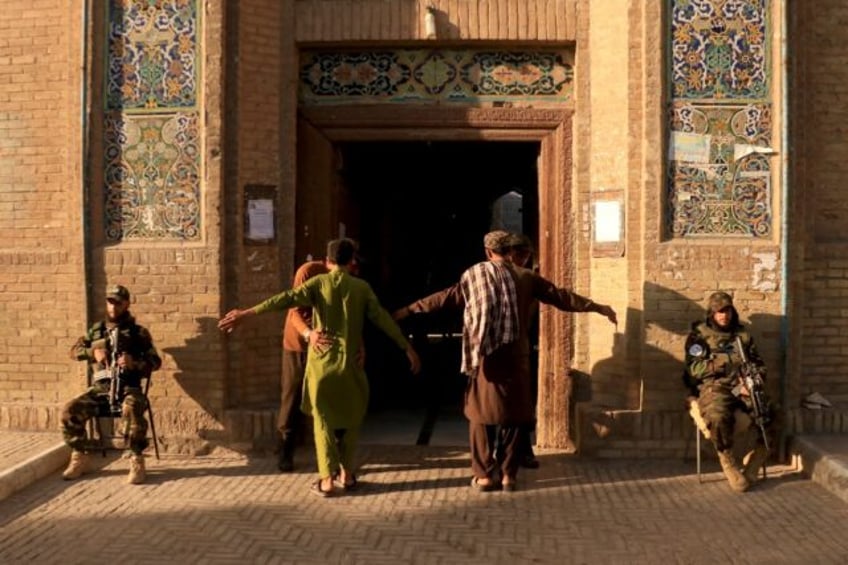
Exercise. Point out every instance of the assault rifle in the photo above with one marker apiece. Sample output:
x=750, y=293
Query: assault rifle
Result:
x=116, y=380
x=752, y=379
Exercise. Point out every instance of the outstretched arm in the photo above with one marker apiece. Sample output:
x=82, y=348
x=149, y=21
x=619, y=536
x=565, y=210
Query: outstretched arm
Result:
x=300, y=296
x=607, y=311
x=548, y=293
x=233, y=318
x=383, y=320
x=414, y=360
x=450, y=297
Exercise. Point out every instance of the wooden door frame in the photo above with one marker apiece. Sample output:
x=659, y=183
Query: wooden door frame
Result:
x=552, y=128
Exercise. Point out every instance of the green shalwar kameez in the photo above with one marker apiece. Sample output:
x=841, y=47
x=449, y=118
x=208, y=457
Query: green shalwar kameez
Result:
x=335, y=387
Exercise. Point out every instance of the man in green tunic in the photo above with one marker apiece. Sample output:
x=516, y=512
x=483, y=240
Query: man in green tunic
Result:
x=335, y=385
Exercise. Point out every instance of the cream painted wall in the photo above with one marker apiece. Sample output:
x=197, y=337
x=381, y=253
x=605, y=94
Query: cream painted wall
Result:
x=607, y=103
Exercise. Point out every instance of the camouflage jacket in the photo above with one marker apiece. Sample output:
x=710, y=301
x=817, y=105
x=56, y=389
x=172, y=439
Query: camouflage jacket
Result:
x=712, y=354
x=131, y=338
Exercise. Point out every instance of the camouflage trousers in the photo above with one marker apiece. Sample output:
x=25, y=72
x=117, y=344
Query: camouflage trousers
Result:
x=725, y=413
x=95, y=402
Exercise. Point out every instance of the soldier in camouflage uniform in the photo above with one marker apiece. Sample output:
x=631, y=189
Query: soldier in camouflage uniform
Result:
x=712, y=366
x=116, y=344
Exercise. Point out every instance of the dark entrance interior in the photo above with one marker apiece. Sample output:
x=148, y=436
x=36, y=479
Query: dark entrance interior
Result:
x=419, y=211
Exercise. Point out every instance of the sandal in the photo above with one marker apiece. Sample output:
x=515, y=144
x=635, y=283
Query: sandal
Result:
x=484, y=487
x=508, y=483
x=345, y=486
x=315, y=488
x=351, y=485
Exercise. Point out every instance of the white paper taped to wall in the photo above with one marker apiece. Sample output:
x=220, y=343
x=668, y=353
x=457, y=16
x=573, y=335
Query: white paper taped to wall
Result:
x=607, y=221
x=260, y=215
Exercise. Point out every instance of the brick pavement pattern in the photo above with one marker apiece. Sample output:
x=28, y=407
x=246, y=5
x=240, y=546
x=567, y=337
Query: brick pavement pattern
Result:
x=414, y=505
x=16, y=447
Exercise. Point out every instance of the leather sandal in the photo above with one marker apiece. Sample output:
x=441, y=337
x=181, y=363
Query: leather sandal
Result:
x=484, y=487
x=346, y=486
x=352, y=484
x=315, y=488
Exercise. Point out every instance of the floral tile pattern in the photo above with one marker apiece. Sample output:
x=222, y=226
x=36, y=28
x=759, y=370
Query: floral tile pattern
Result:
x=719, y=80
x=729, y=194
x=463, y=76
x=152, y=54
x=152, y=153
x=719, y=48
x=152, y=177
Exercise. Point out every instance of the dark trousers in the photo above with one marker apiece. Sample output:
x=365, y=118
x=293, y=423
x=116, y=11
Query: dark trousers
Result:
x=526, y=441
x=484, y=439
x=290, y=418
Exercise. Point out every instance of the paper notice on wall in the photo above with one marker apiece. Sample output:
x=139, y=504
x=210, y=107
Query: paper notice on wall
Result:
x=260, y=215
x=743, y=150
x=689, y=147
x=607, y=221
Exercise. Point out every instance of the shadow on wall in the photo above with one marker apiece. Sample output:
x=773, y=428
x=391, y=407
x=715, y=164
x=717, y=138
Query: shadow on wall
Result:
x=644, y=373
x=442, y=28
x=193, y=378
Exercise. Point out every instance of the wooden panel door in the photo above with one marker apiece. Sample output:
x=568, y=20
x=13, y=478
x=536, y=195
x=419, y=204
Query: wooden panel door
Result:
x=324, y=206
x=316, y=183
x=555, y=403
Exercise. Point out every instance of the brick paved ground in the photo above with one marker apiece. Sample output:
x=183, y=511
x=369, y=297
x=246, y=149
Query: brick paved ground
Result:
x=415, y=506
x=17, y=447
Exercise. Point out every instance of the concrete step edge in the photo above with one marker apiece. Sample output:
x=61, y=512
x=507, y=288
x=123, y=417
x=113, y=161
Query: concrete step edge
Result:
x=33, y=469
x=824, y=469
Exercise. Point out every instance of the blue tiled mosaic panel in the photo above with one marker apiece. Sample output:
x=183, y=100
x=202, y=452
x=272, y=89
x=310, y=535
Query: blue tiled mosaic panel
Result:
x=719, y=49
x=719, y=77
x=434, y=75
x=152, y=57
x=724, y=196
x=152, y=177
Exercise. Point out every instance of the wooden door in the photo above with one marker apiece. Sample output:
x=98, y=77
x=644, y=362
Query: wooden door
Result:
x=554, y=408
x=316, y=177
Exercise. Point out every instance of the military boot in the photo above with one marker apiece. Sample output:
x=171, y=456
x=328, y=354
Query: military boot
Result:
x=137, y=471
x=285, y=456
x=754, y=462
x=737, y=480
x=76, y=466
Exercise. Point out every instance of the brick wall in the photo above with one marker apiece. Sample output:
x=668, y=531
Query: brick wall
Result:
x=255, y=270
x=661, y=284
x=55, y=259
x=176, y=286
x=818, y=197
x=42, y=290
x=378, y=20
x=249, y=131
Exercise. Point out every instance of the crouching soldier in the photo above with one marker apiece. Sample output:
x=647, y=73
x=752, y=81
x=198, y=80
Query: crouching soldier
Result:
x=120, y=353
x=719, y=353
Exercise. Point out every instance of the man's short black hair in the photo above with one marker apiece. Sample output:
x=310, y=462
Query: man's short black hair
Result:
x=341, y=251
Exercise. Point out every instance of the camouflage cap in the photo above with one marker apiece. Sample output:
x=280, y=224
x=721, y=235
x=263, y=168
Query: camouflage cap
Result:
x=118, y=292
x=497, y=240
x=719, y=301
